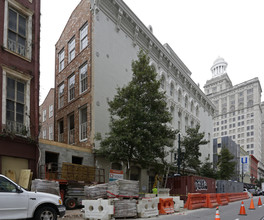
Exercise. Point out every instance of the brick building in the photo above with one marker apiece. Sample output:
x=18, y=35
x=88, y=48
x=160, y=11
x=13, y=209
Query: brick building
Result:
x=47, y=117
x=19, y=80
x=93, y=57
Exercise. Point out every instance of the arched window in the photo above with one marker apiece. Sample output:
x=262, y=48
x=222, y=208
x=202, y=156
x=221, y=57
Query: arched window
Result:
x=171, y=89
x=179, y=96
x=192, y=106
x=197, y=111
x=116, y=166
x=192, y=124
x=186, y=102
x=162, y=82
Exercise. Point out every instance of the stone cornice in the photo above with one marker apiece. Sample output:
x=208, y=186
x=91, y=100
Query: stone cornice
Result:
x=234, y=88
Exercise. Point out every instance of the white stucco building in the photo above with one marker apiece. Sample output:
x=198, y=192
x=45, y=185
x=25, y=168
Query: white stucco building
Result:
x=238, y=109
x=115, y=35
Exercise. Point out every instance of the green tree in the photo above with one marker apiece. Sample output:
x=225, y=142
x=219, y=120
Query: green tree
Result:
x=226, y=167
x=207, y=169
x=259, y=182
x=192, y=142
x=139, y=118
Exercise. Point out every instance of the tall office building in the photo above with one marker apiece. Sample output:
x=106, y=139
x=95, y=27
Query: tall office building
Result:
x=238, y=109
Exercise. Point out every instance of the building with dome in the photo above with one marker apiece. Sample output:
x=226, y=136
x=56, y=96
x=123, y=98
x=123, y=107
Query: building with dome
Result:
x=238, y=109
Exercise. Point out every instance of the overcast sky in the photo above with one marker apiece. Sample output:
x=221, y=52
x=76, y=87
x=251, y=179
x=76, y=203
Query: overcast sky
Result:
x=197, y=30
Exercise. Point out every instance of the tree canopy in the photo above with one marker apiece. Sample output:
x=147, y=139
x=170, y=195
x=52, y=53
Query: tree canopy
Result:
x=192, y=142
x=226, y=167
x=207, y=169
x=139, y=120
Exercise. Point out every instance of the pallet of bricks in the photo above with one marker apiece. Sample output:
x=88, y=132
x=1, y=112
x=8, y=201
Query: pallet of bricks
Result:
x=78, y=172
x=124, y=194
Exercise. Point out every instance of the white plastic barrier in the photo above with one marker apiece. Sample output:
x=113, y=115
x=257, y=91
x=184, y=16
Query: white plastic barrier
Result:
x=98, y=209
x=177, y=203
x=148, y=207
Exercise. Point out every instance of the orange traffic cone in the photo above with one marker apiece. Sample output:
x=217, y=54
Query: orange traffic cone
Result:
x=242, y=209
x=217, y=215
x=252, y=204
x=259, y=202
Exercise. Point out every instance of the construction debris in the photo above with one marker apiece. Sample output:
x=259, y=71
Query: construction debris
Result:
x=123, y=188
x=125, y=208
x=96, y=191
x=46, y=186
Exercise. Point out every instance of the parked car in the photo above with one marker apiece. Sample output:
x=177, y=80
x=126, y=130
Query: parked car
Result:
x=18, y=203
x=253, y=192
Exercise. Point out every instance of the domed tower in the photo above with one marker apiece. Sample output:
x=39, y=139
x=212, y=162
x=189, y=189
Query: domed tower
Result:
x=219, y=67
x=220, y=80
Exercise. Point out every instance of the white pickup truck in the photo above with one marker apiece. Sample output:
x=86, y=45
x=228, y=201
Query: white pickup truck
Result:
x=18, y=203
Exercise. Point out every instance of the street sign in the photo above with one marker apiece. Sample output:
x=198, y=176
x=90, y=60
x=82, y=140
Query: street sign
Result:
x=244, y=164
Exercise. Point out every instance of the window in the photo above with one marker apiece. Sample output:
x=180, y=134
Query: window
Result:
x=186, y=102
x=7, y=186
x=71, y=49
x=44, y=115
x=16, y=32
x=61, y=60
x=17, y=29
x=172, y=90
x=61, y=96
x=71, y=130
x=83, y=123
x=162, y=82
x=50, y=111
x=250, y=91
x=192, y=106
x=77, y=160
x=83, y=37
x=250, y=103
x=61, y=131
x=15, y=106
x=197, y=111
x=179, y=96
x=71, y=87
x=83, y=78
x=44, y=133
x=50, y=132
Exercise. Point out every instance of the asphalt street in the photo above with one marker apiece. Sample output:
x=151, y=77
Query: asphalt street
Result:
x=228, y=212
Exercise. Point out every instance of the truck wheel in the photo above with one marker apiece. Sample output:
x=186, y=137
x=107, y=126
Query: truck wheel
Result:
x=47, y=213
x=70, y=203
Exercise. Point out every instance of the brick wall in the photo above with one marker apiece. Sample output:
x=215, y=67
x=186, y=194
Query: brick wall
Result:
x=79, y=17
x=49, y=100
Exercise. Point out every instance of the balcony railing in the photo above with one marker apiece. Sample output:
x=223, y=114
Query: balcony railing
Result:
x=16, y=47
x=71, y=136
x=60, y=137
x=16, y=127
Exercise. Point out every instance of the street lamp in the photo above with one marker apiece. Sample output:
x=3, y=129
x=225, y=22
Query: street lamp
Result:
x=180, y=151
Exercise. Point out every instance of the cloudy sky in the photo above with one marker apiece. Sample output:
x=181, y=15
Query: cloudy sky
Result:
x=198, y=31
